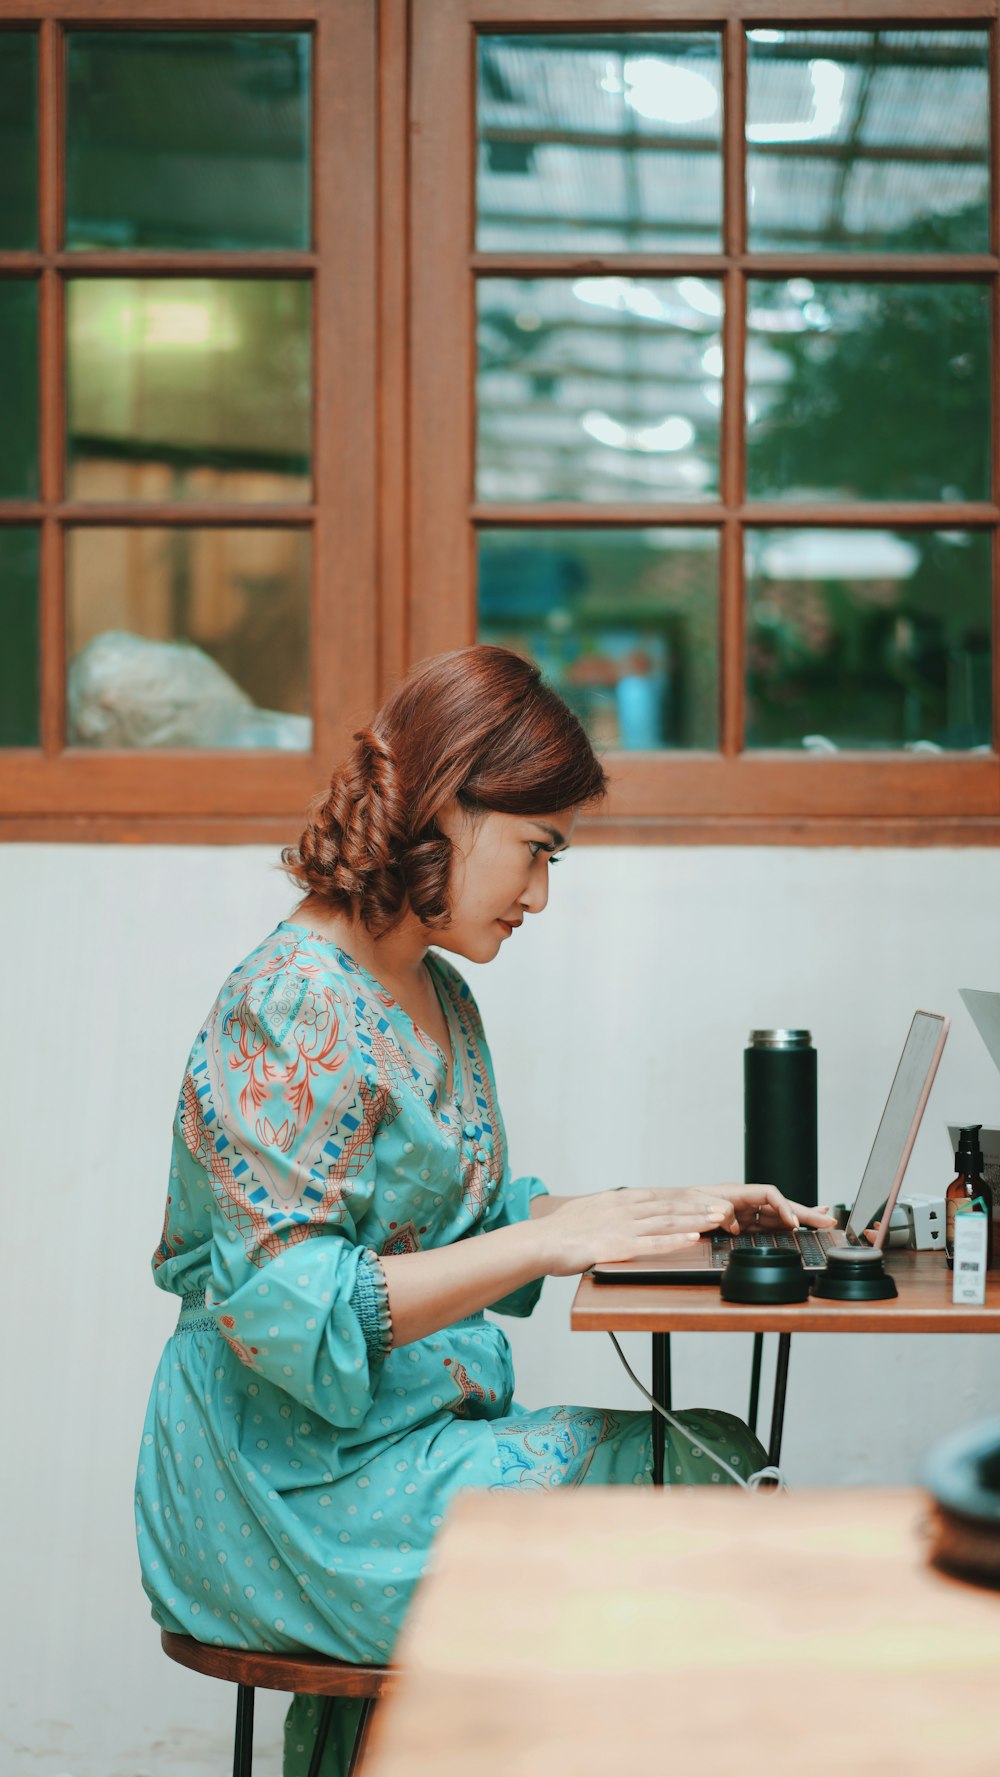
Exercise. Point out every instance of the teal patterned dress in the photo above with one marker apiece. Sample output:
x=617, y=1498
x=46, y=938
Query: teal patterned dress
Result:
x=295, y=1465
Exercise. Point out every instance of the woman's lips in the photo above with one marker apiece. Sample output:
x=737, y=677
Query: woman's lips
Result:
x=508, y=928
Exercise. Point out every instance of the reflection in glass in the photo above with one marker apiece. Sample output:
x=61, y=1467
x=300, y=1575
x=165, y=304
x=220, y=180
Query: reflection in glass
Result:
x=19, y=655
x=868, y=140
x=188, y=388
x=868, y=391
x=188, y=638
x=600, y=143
x=599, y=388
x=18, y=388
x=18, y=139
x=868, y=639
x=624, y=624
x=178, y=139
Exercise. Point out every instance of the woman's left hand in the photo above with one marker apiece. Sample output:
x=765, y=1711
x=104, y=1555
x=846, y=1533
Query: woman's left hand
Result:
x=763, y=1206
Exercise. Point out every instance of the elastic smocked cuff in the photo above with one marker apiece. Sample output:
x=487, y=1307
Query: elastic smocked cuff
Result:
x=370, y=1302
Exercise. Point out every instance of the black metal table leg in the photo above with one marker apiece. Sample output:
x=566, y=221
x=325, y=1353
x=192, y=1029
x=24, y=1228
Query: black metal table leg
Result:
x=243, y=1745
x=780, y=1386
x=661, y=1394
x=758, y=1352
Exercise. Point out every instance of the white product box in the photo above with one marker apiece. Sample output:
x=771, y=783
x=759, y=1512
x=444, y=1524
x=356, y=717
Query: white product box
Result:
x=969, y=1283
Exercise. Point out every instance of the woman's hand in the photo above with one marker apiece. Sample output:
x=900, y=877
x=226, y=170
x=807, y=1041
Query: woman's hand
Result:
x=636, y=1223
x=763, y=1206
x=629, y=1223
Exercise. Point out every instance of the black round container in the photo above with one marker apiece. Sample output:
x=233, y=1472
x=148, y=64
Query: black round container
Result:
x=764, y=1274
x=854, y=1275
x=779, y=1112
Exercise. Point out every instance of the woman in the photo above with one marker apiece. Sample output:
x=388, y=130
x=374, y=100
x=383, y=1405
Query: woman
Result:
x=341, y=1211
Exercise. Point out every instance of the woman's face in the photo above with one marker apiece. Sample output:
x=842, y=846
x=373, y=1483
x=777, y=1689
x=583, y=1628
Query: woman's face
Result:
x=500, y=872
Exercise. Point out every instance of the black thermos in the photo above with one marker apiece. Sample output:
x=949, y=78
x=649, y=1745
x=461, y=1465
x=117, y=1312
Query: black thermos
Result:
x=779, y=1113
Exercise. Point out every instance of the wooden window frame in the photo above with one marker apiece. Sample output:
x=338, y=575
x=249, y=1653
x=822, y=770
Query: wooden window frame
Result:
x=59, y=792
x=730, y=796
x=394, y=519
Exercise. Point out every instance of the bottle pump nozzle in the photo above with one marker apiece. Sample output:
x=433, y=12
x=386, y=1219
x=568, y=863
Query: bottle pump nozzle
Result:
x=969, y=1154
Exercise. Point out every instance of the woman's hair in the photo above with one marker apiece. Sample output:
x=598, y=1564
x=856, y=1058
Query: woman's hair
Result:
x=477, y=727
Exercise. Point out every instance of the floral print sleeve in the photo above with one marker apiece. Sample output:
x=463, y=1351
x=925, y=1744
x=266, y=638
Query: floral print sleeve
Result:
x=279, y=1110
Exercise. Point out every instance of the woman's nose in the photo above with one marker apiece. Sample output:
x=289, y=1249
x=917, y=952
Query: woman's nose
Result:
x=536, y=894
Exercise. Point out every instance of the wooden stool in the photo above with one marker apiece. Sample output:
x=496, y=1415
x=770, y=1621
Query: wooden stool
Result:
x=308, y=1674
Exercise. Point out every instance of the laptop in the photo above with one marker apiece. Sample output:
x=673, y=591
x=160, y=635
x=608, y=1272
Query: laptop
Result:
x=876, y=1196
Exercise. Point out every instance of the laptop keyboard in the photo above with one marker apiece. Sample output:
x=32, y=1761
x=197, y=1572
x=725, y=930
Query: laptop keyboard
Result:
x=812, y=1245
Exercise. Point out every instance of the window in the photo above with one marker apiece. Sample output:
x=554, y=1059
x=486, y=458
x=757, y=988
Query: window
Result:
x=709, y=325
x=662, y=350
x=187, y=479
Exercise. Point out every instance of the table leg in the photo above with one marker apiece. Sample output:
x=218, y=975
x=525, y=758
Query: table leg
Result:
x=758, y=1352
x=780, y=1385
x=661, y=1394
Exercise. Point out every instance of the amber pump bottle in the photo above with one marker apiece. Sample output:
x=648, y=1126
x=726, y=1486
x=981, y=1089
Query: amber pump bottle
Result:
x=969, y=1192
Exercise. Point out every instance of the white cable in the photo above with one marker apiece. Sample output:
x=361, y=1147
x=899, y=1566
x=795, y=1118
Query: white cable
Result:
x=749, y=1484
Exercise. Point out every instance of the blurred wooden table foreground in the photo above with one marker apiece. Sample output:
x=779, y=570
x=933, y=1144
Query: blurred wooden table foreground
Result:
x=611, y=1631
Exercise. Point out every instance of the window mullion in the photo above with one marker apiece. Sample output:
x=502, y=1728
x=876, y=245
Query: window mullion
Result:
x=734, y=148
x=51, y=382
x=732, y=630
x=732, y=626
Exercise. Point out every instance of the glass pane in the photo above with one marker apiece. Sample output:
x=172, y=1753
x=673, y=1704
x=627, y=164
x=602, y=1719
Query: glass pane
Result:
x=188, y=388
x=18, y=388
x=19, y=656
x=868, y=639
x=188, y=638
x=18, y=139
x=188, y=140
x=868, y=391
x=600, y=143
x=868, y=139
x=623, y=623
x=599, y=388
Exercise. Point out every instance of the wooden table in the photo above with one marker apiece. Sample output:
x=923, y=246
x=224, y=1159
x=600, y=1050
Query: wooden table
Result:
x=923, y=1305
x=691, y=1631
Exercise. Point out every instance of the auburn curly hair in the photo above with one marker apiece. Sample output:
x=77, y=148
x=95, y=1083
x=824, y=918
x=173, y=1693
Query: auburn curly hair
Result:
x=478, y=727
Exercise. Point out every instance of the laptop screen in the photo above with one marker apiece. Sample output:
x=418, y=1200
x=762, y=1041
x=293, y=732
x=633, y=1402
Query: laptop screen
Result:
x=900, y=1120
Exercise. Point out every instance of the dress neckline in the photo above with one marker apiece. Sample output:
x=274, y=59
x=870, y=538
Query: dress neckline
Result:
x=453, y=1087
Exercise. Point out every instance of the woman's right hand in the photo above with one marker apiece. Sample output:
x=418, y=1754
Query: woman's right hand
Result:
x=631, y=1223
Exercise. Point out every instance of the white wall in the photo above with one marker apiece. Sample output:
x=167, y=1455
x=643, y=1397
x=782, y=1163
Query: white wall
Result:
x=617, y=1023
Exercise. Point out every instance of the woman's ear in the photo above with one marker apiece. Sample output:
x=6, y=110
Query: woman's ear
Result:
x=459, y=824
